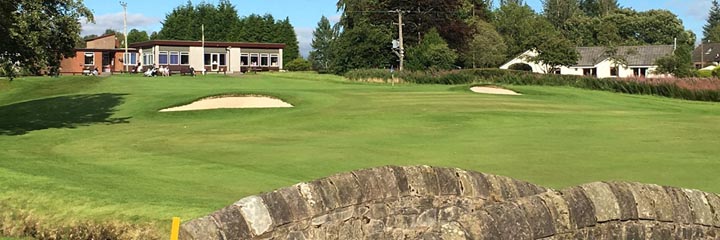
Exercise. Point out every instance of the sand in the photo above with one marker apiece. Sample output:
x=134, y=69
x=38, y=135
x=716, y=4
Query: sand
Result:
x=493, y=90
x=231, y=102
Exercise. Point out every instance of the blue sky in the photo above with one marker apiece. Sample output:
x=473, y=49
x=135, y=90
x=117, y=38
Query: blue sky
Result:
x=304, y=14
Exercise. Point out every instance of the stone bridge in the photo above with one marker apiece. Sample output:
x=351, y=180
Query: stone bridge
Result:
x=422, y=202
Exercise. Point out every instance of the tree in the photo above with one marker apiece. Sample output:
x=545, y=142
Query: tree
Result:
x=321, y=56
x=598, y=8
x=713, y=21
x=555, y=51
x=432, y=53
x=487, y=48
x=559, y=11
x=179, y=24
x=135, y=36
x=285, y=33
x=514, y=23
x=713, y=35
x=38, y=34
x=512, y=2
x=363, y=46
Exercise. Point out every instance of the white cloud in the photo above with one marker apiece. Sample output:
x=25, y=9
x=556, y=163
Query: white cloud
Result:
x=304, y=36
x=115, y=21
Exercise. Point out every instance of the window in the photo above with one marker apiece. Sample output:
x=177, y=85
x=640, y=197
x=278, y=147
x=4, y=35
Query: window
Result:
x=222, y=59
x=254, y=58
x=174, y=58
x=613, y=71
x=163, y=58
x=264, y=59
x=244, y=59
x=130, y=59
x=89, y=58
x=589, y=72
x=274, y=60
x=207, y=59
x=640, y=72
x=184, y=58
x=148, y=59
x=556, y=71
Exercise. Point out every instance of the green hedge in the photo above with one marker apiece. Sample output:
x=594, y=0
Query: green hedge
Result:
x=690, y=89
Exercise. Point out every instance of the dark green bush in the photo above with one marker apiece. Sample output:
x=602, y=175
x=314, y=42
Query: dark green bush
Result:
x=298, y=64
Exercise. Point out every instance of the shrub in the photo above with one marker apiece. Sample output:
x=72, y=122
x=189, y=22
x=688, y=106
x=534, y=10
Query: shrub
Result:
x=700, y=89
x=705, y=73
x=298, y=64
x=716, y=72
x=521, y=67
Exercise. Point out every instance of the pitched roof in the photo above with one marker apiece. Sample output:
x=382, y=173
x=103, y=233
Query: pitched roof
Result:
x=711, y=50
x=635, y=55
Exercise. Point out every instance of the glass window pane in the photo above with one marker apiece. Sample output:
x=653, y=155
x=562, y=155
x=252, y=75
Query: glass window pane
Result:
x=207, y=59
x=274, y=60
x=264, y=60
x=174, y=58
x=163, y=58
x=89, y=58
x=184, y=59
x=222, y=59
x=254, y=59
x=244, y=59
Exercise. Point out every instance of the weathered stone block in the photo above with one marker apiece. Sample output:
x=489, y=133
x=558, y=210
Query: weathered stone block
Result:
x=452, y=231
x=296, y=235
x=661, y=231
x=714, y=201
x=661, y=201
x=338, y=215
x=481, y=187
x=604, y=202
x=506, y=186
x=526, y=189
x=634, y=231
x=448, y=182
x=418, y=182
x=510, y=221
x=427, y=219
x=369, y=185
x=313, y=198
x=348, y=189
x=701, y=211
x=297, y=205
x=681, y=205
x=559, y=211
x=538, y=216
x=278, y=208
x=255, y=213
x=199, y=229
x=385, y=178
x=626, y=200
x=582, y=212
x=645, y=203
x=401, y=180
x=328, y=192
x=234, y=225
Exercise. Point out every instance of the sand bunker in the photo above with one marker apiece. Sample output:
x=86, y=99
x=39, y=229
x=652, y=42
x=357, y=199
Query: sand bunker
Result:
x=231, y=102
x=493, y=90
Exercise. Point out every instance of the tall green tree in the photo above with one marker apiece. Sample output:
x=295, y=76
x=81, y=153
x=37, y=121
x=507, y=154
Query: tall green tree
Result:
x=713, y=21
x=179, y=23
x=363, y=46
x=598, y=8
x=135, y=36
x=38, y=34
x=285, y=33
x=432, y=53
x=486, y=49
x=521, y=27
x=323, y=36
x=555, y=51
x=559, y=11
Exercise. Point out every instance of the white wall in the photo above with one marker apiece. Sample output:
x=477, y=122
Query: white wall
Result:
x=197, y=59
x=234, y=57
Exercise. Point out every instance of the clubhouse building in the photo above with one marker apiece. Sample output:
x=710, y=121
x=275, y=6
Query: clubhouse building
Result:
x=105, y=54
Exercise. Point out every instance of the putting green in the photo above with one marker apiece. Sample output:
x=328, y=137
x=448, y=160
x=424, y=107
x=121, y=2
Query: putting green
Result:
x=79, y=148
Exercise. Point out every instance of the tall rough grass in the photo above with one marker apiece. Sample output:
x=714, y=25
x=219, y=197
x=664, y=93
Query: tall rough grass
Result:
x=699, y=89
x=17, y=223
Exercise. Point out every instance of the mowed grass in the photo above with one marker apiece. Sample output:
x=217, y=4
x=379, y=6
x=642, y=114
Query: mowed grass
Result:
x=80, y=148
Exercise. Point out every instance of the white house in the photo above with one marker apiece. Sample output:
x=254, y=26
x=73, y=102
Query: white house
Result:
x=594, y=61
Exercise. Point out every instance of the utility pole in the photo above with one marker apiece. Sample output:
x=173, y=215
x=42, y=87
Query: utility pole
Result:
x=401, y=47
x=126, y=57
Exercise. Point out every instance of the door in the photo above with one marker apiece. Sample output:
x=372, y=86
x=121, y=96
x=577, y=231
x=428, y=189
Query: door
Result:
x=214, y=59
